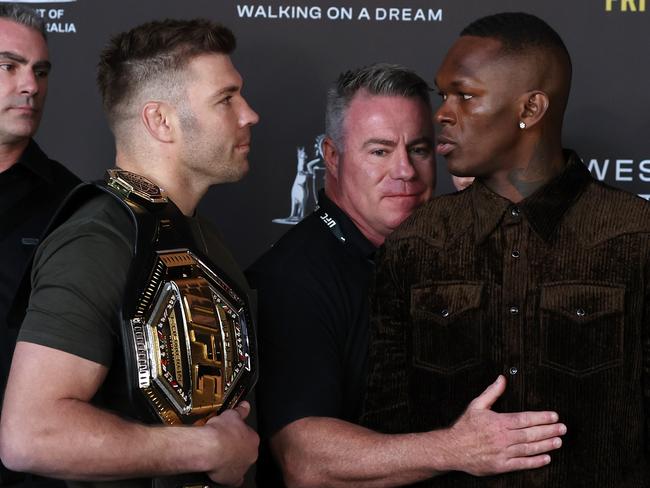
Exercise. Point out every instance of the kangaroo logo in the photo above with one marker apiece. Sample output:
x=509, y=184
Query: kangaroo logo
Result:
x=308, y=180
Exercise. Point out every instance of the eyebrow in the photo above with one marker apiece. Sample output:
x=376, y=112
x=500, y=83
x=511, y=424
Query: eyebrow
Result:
x=388, y=142
x=13, y=56
x=22, y=60
x=455, y=83
x=382, y=142
x=420, y=140
x=43, y=65
x=226, y=90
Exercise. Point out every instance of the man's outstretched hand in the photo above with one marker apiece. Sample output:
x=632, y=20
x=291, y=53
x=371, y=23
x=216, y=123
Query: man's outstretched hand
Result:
x=483, y=442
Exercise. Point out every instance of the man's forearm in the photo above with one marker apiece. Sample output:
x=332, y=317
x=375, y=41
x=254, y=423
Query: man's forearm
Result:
x=49, y=427
x=75, y=440
x=317, y=451
x=322, y=451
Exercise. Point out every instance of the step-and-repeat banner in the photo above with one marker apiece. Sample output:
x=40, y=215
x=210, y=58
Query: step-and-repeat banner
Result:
x=289, y=52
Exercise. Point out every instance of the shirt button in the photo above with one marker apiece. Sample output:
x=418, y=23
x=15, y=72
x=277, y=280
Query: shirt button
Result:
x=29, y=241
x=513, y=370
x=514, y=211
x=581, y=312
x=444, y=313
x=515, y=254
x=514, y=310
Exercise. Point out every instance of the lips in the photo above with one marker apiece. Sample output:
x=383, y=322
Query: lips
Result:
x=404, y=195
x=414, y=192
x=244, y=146
x=445, y=145
x=24, y=109
x=403, y=202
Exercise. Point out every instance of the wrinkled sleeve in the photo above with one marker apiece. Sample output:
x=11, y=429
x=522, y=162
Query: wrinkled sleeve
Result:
x=386, y=404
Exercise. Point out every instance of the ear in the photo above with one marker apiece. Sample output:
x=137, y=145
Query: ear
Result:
x=158, y=118
x=331, y=157
x=534, y=106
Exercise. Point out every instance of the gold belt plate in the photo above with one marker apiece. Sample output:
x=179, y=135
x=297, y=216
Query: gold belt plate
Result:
x=190, y=333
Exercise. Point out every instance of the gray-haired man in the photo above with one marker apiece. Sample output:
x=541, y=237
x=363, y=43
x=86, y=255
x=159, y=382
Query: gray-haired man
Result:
x=313, y=289
x=31, y=184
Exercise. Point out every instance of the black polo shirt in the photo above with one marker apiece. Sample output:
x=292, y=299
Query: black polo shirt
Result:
x=30, y=192
x=313, y=323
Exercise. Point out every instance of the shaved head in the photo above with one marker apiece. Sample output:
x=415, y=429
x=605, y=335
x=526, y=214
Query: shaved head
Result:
x=533, y=50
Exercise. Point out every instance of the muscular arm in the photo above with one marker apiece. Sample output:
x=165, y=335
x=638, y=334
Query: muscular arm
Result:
x=67, y=338
x=319, y=451
x=49, y=427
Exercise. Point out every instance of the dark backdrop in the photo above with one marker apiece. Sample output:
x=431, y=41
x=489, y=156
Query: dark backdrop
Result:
x=288, y=61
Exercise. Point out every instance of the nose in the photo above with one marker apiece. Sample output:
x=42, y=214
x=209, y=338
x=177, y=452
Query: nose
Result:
x=402, y=168
x=444, y=115
x=248, y=116
x=28, y=83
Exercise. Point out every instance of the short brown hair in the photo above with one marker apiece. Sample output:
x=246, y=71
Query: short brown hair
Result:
x=154, y=52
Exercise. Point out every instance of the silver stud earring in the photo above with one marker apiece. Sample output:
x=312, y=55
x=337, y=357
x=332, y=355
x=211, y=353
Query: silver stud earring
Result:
x=522, y=125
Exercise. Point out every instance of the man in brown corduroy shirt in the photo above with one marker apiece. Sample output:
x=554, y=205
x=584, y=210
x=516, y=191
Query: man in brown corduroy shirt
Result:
x=536, y=271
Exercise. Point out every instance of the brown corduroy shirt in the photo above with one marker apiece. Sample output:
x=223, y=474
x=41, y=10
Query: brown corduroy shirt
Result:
x=553, y=292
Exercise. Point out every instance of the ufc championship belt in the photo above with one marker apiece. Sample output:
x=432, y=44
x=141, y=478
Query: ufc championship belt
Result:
x=187, y=327
x=187, y=330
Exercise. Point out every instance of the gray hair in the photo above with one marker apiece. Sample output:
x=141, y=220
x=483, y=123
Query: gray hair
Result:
x=24, y=16
x=377, y=79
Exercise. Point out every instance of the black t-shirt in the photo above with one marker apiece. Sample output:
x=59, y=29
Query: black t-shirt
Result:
x=312, y=325
x=79, y=278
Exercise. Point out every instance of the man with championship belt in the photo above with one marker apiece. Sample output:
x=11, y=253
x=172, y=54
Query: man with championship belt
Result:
x=138, y=320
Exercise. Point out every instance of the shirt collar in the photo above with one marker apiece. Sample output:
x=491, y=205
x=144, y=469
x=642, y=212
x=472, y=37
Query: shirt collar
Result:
x=543, y=209
x=35, y=160
x=354, y=239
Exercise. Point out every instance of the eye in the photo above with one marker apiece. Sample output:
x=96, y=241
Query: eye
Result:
x=6, y=66
x=442, y=95
x=226, y=100
x=42, y=73
x=466, y=96
x=421, y=150
x=379, y=152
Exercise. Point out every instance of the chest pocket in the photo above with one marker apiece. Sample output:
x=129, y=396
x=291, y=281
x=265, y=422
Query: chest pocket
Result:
x=447, y=330
x=581, y=327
